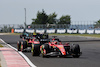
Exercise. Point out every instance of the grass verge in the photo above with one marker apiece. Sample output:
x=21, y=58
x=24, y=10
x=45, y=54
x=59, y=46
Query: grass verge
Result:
x=86, y=35
x=1, y=45
x=66, y=34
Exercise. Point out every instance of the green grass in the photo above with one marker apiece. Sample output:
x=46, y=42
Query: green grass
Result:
x=1, y=45
x=66, y=34
x=11, y=33
x=86, y=35
x=15, y=33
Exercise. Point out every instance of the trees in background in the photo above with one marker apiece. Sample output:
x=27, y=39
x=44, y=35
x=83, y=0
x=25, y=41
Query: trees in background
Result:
x=64, y=20
x=52, y=18
x=97, y=25
x=98, y=22
x=43, y=18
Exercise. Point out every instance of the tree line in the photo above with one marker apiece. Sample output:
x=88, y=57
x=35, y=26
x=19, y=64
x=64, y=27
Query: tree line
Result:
x=43, y=18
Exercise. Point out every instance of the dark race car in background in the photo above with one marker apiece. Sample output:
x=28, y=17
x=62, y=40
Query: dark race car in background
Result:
x=25, y=34
x=31, y=41
x=37, y=35
x=26, y=43
x=30, y=38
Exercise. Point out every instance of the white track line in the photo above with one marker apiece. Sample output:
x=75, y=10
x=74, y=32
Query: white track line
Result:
x=24, y=56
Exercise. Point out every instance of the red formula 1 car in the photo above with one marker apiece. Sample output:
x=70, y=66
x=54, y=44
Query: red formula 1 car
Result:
x=31, y=42
x=26, y=43
x=56, y=48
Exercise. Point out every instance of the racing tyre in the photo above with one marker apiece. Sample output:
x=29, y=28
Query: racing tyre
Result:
x=23, y=45
x=45, y=49
x=76, y=50
x=18, y=45
x=20, y=36
x=35, y=50
x=46, y=36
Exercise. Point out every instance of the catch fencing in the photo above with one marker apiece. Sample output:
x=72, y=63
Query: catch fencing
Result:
x=81, y=28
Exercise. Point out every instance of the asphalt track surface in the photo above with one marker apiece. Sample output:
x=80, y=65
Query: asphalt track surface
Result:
x=90, y=53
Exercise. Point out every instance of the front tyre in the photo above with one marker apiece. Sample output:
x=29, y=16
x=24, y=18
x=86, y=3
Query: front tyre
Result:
x=44, y=50
x=76, y=50
x=35, y=50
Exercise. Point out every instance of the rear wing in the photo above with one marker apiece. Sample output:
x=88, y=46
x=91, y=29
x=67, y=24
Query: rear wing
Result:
x=43, y=36
x=27, y=37
x=54, y=36
x=42, y=41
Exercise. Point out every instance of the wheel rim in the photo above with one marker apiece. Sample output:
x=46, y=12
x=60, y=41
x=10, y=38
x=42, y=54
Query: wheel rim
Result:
x=44, y=51
x=21, y=47
x=32, y=50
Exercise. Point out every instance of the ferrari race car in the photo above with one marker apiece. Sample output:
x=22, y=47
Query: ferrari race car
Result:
x=28, y=39
x=55, y=48
x=26, y=43
x=30, y=44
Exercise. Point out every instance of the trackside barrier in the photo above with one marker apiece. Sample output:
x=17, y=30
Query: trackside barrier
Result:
x=18, y=30
x=50, y=31
x=71, y=31
x=75, y=31
x=30, y=30
x=82, y=31
x=97, y=31
x=61, y=30
x=40, y=31
x=90, y=31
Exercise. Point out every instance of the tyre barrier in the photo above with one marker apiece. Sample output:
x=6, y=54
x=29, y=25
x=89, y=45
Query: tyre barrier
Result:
x=61, y=31
x=18, y=30
x=72, y=31
x=50, y=31
x=82, y=31
x=97, y=31
x=92, y=31
x=30, y=30
x=40, y=31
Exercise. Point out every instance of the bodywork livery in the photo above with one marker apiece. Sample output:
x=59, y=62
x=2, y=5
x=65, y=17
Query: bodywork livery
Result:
x=55, y=48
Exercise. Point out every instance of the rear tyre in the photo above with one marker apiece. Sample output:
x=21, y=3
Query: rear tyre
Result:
x=46, y=36
x=76, y=51
x=23, y=45
x=35, y=50
x=20, y=36
x=19, y=45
